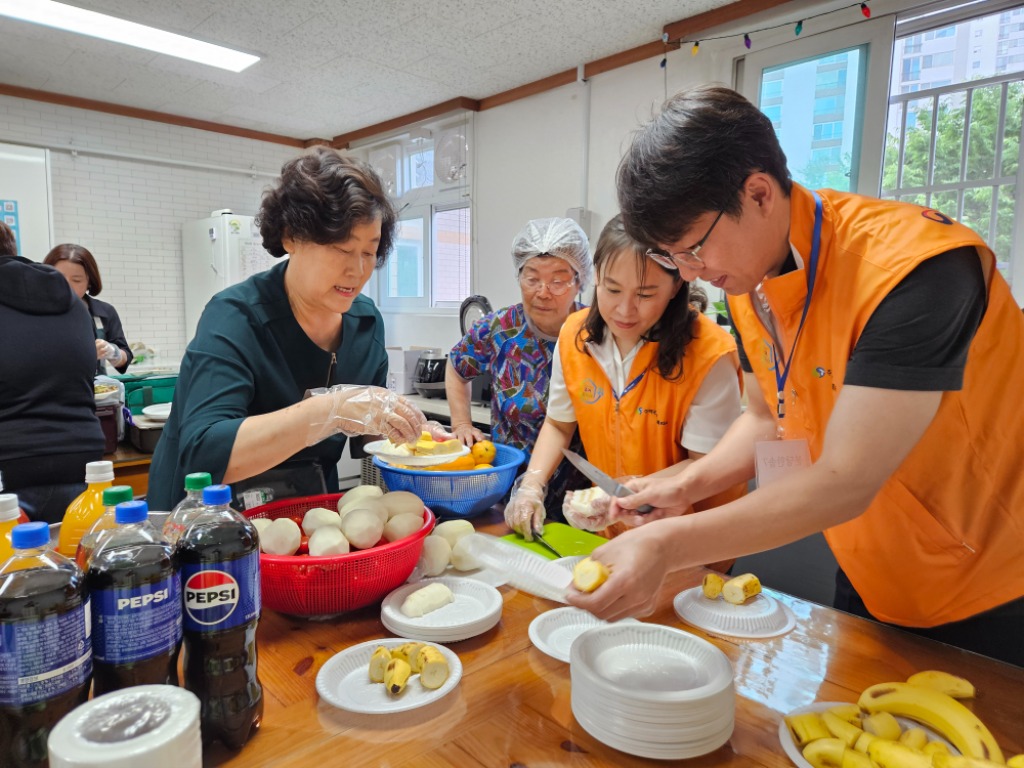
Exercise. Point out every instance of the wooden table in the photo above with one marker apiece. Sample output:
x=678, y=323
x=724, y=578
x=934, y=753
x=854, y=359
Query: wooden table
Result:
x=512, y=707
x=131, y=467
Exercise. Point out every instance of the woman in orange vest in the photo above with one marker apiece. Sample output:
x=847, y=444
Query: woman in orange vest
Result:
x=650, y=381
x=885, y=345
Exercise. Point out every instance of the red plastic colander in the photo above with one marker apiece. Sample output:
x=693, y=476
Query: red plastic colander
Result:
x=319, y=587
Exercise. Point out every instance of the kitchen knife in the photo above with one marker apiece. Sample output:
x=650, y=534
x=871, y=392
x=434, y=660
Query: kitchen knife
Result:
x=540, y=540
x=601, y=480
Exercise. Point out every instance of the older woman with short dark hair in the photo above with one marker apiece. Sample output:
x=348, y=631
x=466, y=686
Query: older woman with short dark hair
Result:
x=241, y=408
x=79, y=268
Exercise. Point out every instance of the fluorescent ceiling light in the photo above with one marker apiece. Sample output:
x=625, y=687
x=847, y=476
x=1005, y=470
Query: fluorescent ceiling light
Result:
x=72, y=19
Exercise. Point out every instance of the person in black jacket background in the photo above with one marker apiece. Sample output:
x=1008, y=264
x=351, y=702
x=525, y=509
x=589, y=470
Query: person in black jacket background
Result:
x=48, y=424
x=79, y=267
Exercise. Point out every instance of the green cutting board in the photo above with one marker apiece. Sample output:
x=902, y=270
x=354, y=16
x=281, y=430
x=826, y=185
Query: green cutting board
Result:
x=567, y=540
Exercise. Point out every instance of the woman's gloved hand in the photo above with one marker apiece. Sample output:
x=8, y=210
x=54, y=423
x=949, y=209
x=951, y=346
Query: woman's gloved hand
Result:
x=106, y=351
x=438, y=432
x=360, y=410
x=596, y=518
x=524, y=512
x=467, y=434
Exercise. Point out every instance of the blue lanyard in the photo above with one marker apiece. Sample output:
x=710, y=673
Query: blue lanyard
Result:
x=812, y=271
x=629, y=387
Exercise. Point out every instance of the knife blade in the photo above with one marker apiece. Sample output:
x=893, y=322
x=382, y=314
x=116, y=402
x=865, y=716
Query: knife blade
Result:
x=540, y=540
x=601, y=480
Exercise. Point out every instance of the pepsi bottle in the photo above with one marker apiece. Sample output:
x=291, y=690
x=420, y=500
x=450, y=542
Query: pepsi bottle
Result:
x=220, y=571
x=45, y=654
x=135, y=590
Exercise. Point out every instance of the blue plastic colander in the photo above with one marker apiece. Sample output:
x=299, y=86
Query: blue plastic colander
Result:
x=459, y=493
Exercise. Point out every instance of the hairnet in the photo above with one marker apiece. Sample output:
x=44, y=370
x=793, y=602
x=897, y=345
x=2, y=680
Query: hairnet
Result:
x=554, y=237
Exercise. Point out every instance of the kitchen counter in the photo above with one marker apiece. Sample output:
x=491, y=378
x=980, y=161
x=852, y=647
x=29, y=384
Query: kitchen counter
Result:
x=512, y=706
x=437, y=408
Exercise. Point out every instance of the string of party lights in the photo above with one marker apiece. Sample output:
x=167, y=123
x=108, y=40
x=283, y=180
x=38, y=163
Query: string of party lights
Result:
x=798, y=27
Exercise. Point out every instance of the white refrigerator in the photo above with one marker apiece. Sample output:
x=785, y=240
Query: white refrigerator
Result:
x=217, y=252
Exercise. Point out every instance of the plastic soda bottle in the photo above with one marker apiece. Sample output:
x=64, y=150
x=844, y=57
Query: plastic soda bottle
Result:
x=220, y=575
x=10, y=516
x=45, y=653
x=112, y=496
x=135, y=590
x=178, y=519
x=86, y=508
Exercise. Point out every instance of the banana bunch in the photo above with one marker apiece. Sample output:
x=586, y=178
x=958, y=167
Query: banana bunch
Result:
x=868, y=735
x=394, y=667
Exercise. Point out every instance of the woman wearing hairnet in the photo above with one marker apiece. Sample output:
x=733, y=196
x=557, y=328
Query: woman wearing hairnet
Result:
x=553, y=264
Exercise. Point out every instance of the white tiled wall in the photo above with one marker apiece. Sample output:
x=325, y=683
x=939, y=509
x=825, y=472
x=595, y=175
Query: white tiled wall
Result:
x=128, y=213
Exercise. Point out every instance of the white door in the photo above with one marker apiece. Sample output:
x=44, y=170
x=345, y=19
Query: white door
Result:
x=826, y=96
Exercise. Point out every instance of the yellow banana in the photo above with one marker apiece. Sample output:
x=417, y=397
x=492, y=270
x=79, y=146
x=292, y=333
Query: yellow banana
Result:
x=396, y=675
x=847, y=732
x=1017, y=761
x=407, y=652
x=806, y=727
x=825, y=753
x=863, y=741
x=589, y=574
x=433, y=667
x=378, y=664
x=915, y=738
x=883, y=725
x=933, y=748
x=951, y=685
x=712, y=586
x=739, y=589
x=938, y=711
x=854, y=759
x=892, y=754
x=849, y=712
x=946, y=760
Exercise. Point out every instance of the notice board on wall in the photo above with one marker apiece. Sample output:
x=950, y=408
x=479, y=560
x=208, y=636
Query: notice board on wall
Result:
x=25, y=198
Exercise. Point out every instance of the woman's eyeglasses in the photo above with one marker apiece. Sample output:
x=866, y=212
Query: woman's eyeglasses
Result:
x=556, y=287
x=689, y=257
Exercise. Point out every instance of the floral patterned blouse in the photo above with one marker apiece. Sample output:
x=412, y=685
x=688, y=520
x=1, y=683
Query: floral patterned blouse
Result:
x=503, y=344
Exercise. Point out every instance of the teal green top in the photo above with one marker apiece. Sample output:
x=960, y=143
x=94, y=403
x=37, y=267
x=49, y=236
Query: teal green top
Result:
x=250, y=356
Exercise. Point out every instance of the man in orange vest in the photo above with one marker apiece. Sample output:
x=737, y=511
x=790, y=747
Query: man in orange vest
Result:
x=886, y=346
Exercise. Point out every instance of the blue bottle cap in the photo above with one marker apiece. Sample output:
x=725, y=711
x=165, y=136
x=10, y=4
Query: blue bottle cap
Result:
x=131, y=512
x=216, y=494
x=30, y=535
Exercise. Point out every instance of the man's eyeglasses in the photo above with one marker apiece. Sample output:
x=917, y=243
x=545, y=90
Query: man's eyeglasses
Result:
x=689, y=257
x=556, y=287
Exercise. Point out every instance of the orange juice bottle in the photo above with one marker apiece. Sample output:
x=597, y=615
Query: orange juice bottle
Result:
x=10, y=516
x=87, y=508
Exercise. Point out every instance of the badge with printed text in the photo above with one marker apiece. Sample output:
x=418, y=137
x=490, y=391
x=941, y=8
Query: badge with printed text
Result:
x=777, y=458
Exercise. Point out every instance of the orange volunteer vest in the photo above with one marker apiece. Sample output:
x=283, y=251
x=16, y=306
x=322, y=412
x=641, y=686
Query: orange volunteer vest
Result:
x=942, y=539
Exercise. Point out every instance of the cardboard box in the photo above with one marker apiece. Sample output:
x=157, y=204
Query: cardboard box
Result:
x=402, y=368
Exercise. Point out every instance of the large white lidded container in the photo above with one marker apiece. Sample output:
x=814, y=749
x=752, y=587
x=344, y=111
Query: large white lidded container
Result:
x=156, y=726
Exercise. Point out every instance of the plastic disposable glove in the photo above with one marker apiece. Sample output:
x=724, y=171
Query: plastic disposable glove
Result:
x=524, y=512
x=597, y=520
x=438, y=432
x=358, y=410
x=467, y=433
x=106, y=351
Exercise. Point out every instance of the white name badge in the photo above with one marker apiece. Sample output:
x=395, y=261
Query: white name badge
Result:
x=778, y=458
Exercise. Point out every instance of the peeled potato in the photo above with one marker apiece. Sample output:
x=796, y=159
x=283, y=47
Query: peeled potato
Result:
x=453, y=530
x=437, y=553
x=358, y=493
x=374, y=505
x=401, y=526
x=362, y=528
x=318, y=517
x=281, y=537
x=402, y=503
x=260, y=523
x=328, y=541
x=461, y=557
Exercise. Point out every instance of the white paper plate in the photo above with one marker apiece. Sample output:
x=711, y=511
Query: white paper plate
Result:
x=158, y=412
x=476, y=608
x=760, y=617
x=554, y=631
x=526, y=570
x=382, y=450
x=793, y=751
x=650, y=663
x=344, y=681
x=641, y=748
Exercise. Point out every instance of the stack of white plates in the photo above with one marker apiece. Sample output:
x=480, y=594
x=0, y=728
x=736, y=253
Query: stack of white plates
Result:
x=476, y=608
x=652, y=691
x=759, y=617
x=525, y=570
